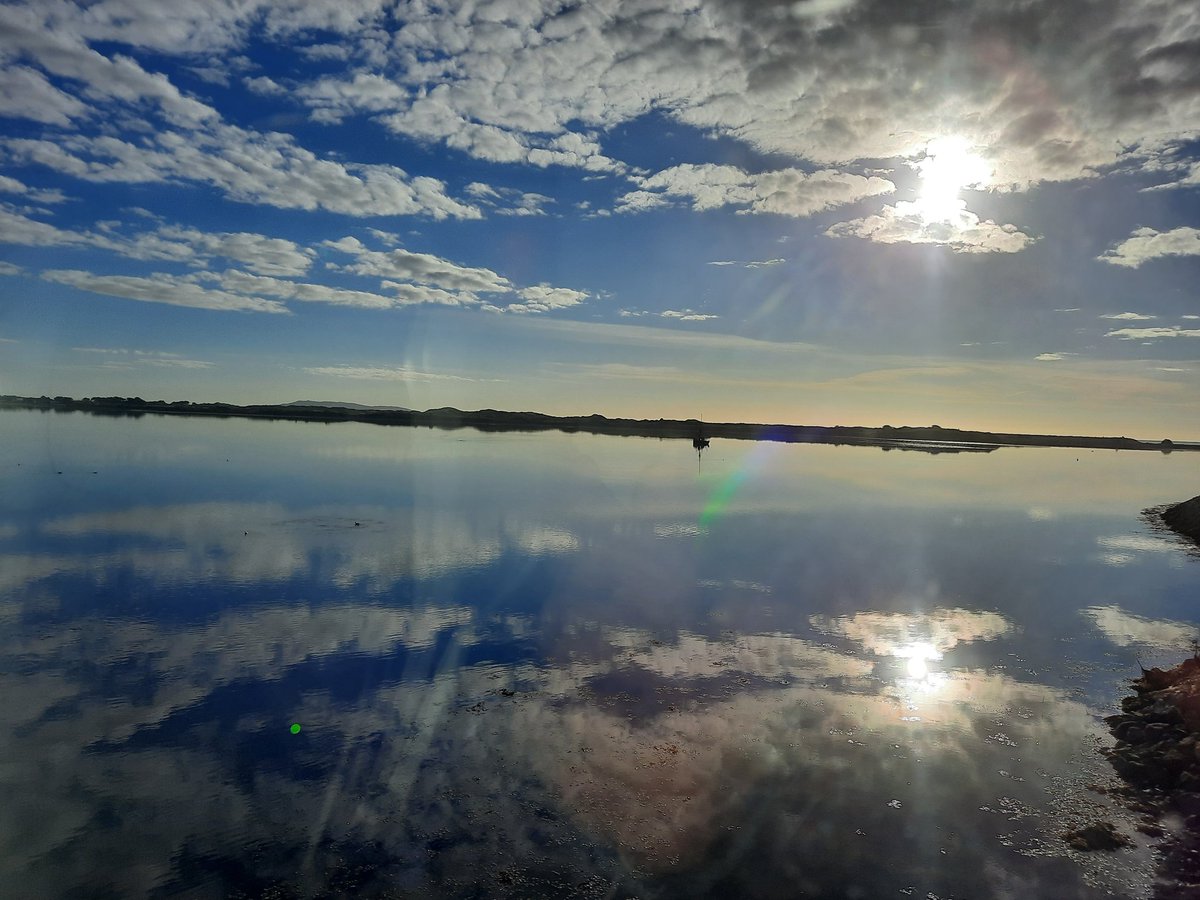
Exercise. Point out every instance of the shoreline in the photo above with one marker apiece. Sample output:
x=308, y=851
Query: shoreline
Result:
x=929, y=439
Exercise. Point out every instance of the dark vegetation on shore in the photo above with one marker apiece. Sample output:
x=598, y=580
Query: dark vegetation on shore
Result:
x=932, y=438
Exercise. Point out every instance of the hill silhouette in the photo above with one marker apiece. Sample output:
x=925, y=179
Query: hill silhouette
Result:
x=929, y=438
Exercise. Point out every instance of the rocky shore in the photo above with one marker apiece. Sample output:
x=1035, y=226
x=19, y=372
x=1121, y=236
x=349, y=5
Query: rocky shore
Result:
x=1157, y=754
x=1184, y=518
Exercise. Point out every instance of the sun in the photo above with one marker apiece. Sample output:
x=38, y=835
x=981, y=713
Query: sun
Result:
x=947, y=168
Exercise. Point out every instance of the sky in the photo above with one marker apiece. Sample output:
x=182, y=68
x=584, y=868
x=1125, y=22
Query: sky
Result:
x=972, y=214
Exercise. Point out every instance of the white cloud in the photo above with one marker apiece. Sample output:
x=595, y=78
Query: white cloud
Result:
x=1053, y=357
x=768, y=75
x=161, y=288
x=421, y=268
x=544, y=298
x=522, y=203
x=529, y=82
x=63, y=52
x=382, y=373
x=906, y=223
x=123, y=357
x=7, y=268
x=16, y=228
x=751, y=264
x=686, y=315
x=1147, y=243
x=788, y=192
x=1151, y=334
x=1128, y=317
x=26, y=93
x=264, y=86
x=262, y=254
x=247, y=166
x=247, y=285
x=1124, y=629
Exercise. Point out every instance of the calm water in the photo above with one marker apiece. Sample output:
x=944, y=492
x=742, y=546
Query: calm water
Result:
x=565, y=665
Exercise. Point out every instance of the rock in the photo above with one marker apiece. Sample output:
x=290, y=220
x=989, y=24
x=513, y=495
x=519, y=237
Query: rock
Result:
x=1162, y=711
x=1188, y=803
x=1184, y=518
x=1097, y=836
x=1131, y=733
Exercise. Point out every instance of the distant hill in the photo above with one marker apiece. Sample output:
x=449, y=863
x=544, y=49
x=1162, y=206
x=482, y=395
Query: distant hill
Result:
x=338, y=405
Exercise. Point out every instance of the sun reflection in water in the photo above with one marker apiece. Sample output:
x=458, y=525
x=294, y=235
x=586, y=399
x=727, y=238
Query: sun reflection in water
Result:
x=920, y=675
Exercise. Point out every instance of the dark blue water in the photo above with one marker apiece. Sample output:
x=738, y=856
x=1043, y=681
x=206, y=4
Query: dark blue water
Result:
x=253, y=659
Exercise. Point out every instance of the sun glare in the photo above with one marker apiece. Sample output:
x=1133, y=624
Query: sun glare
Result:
x=947, y=168
x=917, y=658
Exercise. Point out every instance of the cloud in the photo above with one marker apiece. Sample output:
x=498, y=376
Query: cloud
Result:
x=424, y=278
x=752, y=264
x=421, y=268
x=247, y=166
x=544, y=298
x=521, y=203
x=259, y=253
x=247, y=285
x=1128, y=317
x=528, y=86
x=788, y=192
x=382, y=373
x=1151, y=334
x=13, y=186
x=1052, y=357
x=7, y=268
x=262, y=254
x=687, y=315
x=907, y=223
x=332, y=99
x=1147, y=243
x=124, y=358
x=34, y=33
x=889, y=634
x=17, y=228
x=26, y=93
x=537, y=83
x=1125, y=629
x=161, y=288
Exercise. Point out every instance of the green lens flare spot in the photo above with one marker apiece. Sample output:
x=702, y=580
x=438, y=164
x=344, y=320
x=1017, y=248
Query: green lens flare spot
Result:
x=295, y=729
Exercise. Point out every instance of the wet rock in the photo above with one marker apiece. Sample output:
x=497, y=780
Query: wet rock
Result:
x=1184, y=518
x=1188, y=803
x=1162, y=710
x=1131, y=733
x=1097, y=836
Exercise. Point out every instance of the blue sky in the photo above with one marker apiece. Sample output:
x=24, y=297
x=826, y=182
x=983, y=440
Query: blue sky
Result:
x=825, y=211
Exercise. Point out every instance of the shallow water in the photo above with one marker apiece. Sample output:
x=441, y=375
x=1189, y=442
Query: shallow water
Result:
x=535, y=665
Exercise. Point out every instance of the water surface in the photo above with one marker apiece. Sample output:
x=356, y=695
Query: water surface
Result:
x=569, y=665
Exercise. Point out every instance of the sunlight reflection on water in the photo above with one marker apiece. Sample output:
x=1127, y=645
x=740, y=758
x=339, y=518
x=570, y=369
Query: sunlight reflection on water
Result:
x=519, y=671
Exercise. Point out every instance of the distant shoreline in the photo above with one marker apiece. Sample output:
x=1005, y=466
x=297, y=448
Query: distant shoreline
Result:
x=930, y=439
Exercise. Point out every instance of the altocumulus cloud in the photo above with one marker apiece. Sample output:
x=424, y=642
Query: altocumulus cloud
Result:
x=787, y=192
x=1147, y=243
x=907, y=223
x=1153, y=334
